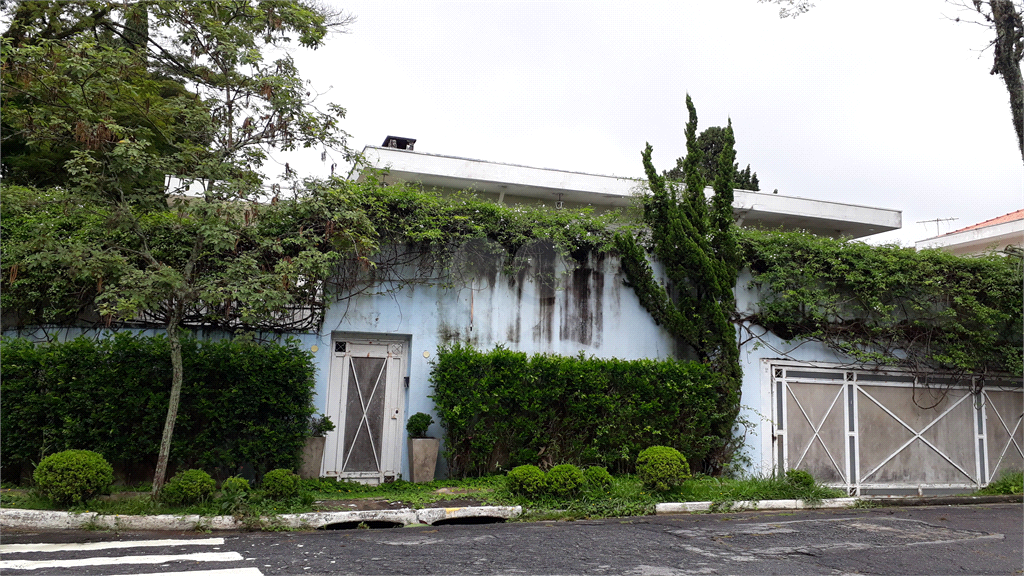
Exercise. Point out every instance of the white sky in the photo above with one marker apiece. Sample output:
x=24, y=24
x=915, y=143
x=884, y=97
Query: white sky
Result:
x=874, y=102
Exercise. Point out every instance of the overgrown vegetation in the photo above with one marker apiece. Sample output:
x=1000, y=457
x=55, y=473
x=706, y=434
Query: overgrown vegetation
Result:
x=1008, y=483
x=894, y=306
x=724, y=491
x=426, y=236
x=695, y=240
x=246, y=403
x=503, y=409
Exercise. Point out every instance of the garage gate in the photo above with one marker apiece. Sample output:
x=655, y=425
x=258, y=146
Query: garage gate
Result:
x=871, y=432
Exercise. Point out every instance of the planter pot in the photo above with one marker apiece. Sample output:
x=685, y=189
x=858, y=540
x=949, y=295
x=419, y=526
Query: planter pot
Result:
x=312, y=455
x=423, y=458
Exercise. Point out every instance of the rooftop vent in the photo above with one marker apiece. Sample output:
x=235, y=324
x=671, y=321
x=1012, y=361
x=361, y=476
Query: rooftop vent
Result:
x=398, y=142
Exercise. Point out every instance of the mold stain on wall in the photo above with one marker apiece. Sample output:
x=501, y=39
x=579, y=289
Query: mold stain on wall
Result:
x=582, y=309
x=542, y=273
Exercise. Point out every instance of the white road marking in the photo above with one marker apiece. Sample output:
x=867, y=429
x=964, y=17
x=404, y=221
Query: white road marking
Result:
x=197, y=557
x=14, y=548
x=224, y=572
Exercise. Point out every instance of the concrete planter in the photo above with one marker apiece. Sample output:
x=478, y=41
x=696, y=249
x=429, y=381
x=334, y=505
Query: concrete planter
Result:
x=423, y=458
x=312, y=456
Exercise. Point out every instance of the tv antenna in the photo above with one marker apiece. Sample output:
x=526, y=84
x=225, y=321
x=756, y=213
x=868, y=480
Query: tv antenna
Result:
x=936, y=221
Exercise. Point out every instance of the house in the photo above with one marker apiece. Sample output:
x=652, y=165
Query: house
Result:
x=998, y=234
x=805, y=405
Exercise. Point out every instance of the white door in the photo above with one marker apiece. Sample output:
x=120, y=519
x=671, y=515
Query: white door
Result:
x=364, y=400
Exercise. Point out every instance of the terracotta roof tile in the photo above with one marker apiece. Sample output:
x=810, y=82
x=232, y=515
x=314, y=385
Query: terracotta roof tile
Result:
x=1012, y=216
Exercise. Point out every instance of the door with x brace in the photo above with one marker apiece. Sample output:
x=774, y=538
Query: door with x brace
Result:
x=874, y=431
x=364, y=401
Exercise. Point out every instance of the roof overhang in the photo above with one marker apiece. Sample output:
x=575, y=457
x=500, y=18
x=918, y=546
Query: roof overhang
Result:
x=751, y=208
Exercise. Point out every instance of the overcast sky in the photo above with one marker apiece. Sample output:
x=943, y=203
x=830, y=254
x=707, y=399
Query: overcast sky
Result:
x=874, y=102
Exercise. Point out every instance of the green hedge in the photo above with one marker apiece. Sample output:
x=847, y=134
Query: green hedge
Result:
x=505, y=408
x=241, y=403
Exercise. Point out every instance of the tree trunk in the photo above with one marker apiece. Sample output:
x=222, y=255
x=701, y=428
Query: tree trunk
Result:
x=172, y=405
x=1007, y=47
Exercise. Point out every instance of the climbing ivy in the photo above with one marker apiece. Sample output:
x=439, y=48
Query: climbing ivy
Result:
x=694, y=239
x=926, y=310
x=429, y=236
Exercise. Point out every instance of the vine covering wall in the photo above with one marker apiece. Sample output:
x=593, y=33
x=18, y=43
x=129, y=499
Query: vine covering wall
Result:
x=895, y=306
x=502, y=408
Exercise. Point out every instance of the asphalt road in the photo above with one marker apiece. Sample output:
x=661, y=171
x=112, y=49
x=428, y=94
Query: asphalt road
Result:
x=978, y=539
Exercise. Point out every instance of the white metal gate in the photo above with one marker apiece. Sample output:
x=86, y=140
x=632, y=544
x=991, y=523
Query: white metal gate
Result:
x=364, y=400
x=871, y=431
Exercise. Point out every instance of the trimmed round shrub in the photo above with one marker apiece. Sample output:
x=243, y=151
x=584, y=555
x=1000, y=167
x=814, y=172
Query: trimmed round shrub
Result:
x=418, y=424
x=597, y=477
x=800, y=479
x=564, y=480
x=526, y=480
x=73, y=476
x=188, y=487
x=281, y=484
x=661, y=467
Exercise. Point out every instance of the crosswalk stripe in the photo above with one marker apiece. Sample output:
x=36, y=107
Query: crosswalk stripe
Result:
x=82, y=546
x=155, y=559
x=224, y=572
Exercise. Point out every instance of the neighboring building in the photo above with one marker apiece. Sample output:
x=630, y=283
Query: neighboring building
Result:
x=994, y=235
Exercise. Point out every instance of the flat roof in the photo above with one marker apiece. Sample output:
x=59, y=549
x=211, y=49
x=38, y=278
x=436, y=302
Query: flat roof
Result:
x=756, y=209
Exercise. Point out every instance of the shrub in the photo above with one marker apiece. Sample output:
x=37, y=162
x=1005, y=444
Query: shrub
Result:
x=188, y=487
x=234, y=495
x=526, y=480
x=800, y=479
x=73, y=476
x=605, y=411
x=241, y=402
x=564, y=480
x=661, y=467
x=597, y=477
x=319, y=426
x=280, y=484
x=235, y=484
x=418, y=424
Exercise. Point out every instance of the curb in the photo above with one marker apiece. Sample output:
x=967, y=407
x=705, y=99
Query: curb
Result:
x=689, y=507
x=55, y=520
x=750, y=505
x=942, y=500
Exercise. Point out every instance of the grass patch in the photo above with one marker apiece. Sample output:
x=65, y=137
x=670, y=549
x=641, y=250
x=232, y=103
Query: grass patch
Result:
x=724, y=490
x=626, y=496
x=1008, y=483
x=413, y=495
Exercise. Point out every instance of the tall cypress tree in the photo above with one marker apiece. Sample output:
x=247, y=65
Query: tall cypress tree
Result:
x=694, y=238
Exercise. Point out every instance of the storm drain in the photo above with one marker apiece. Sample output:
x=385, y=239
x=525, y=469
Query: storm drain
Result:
x=365, y=524
x=468, y=520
